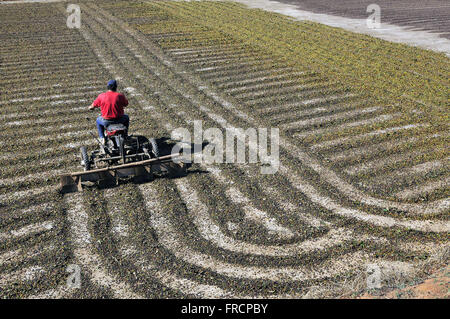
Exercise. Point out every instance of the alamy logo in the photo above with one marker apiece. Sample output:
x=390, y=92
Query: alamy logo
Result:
x=374, y=20
x=74, y=18
x=373, y=276
x=74, y=278
x=238, y=146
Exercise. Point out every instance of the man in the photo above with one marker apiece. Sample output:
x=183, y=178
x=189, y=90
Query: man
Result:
x=111, y=104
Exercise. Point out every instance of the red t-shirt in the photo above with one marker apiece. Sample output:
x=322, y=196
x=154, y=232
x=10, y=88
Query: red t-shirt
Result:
x=111, y=104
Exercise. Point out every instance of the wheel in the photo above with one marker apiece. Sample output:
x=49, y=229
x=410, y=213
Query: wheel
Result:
x=85, y=159
x=155, y=149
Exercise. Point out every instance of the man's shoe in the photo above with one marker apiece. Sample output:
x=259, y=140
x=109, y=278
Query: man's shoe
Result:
x=103, y=145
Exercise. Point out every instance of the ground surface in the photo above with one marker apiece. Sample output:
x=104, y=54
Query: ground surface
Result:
x=364, y=159
x=435, y=286
x=431, y=15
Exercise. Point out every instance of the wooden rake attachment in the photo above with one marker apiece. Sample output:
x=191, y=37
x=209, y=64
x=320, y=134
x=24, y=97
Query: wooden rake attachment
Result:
x=142, y=171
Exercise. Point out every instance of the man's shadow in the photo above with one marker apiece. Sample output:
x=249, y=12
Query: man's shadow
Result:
x=166, y=145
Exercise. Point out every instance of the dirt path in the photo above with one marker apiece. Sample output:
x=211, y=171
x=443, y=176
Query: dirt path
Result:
x=430, y=15
x=402, y=22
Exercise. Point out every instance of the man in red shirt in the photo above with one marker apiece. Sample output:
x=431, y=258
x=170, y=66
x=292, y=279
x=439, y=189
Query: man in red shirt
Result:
x=111, y=104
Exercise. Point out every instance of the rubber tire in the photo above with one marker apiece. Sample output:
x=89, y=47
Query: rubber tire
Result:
x=85, y=158
x=155, y=149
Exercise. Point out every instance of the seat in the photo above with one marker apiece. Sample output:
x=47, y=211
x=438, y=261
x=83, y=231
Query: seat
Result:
x=116, y=127
x=113, y=129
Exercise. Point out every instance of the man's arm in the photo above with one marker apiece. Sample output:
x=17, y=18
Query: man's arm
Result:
x=124, y=101
x=95, y=104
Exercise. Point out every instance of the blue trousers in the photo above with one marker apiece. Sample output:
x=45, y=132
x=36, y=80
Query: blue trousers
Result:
x=102, y=123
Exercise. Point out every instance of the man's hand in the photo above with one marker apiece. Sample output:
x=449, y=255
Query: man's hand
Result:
x=91, y=107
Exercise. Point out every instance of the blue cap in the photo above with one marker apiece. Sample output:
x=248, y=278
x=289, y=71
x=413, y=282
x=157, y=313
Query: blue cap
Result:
x=112, y=83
